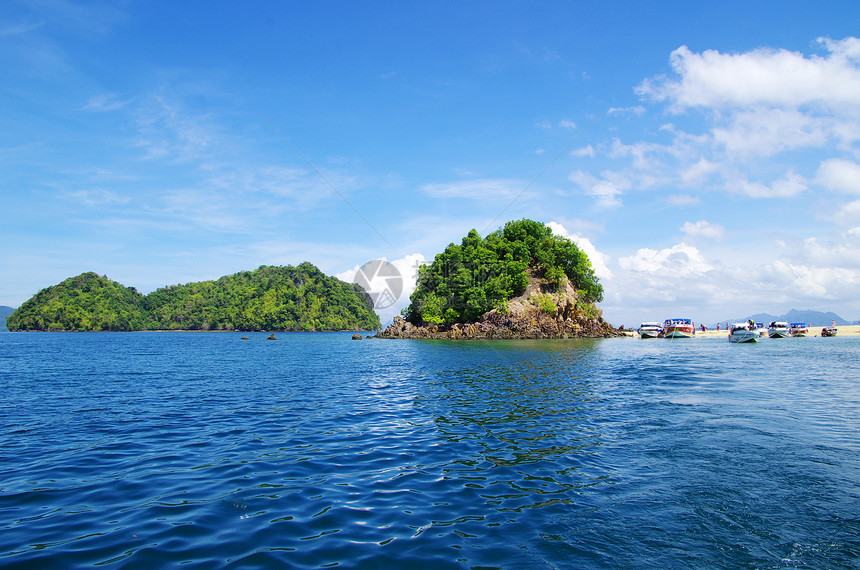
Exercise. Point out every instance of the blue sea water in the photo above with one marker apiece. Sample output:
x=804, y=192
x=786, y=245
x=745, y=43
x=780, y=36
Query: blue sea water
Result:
x=201, y=450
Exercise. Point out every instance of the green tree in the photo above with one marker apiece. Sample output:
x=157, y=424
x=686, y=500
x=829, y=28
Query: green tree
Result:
x=468, y=279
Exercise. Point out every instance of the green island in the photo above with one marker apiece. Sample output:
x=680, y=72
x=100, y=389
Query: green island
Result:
x=521, y=281
x=270, y=298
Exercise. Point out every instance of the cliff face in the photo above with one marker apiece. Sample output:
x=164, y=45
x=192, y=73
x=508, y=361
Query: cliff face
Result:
x=537, y=313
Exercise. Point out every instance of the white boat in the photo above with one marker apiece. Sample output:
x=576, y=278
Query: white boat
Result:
x=744, y=332
x=799, y=329
x=828, y=331
x=651, y=329
x=762, y=330
x=778, y=329
x=679, y=328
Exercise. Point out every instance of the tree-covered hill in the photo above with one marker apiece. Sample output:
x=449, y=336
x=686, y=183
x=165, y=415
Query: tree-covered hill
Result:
x=480, y=274
x=269, y=298
x=4, y=313
x=88, y=302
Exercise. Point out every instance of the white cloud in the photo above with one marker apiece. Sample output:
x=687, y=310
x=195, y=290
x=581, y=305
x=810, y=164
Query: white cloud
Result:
x=584, y=151
x=848, y=214
x=606, y=192
x=699, y=172
x=792, y=185
x=167, y=130
x=681, y=260
x=599, y=260
x=704, y=229
x=761, y=131
x=764, y=76
x=682, y=200
x=762, y=102
x=840, y=175
x=637, y=110
x=837, y=251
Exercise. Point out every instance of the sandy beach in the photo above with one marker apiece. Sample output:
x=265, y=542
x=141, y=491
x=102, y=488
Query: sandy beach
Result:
x=844, y=330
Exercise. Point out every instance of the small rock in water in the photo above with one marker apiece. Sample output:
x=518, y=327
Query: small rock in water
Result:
x=271, y=337
x=245, y=338
x=356, y=336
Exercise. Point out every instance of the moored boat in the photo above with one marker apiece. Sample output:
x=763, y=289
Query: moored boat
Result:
x=679, y=328
x=778, y=329
x=744, y=332
x=651, y=329
x=799, y=329
x=828, y=331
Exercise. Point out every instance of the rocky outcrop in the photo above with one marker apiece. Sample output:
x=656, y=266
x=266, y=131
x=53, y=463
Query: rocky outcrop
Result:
x=536, y=314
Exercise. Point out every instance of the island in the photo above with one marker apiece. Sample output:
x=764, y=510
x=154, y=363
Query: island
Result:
x=520, y=282
x=270, y=298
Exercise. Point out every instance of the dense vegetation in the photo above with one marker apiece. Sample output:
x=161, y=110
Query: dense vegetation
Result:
x=85, y=302
x=467, y=280
x=4, y=312
x=269, y=298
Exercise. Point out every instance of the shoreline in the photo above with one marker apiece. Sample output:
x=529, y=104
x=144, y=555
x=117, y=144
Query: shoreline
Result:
x=841, y=330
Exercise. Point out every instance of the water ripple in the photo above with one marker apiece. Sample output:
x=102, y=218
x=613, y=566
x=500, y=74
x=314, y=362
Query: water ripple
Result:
x=154, y=450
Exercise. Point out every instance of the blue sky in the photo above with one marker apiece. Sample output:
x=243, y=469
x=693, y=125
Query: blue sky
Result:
x=705, y=155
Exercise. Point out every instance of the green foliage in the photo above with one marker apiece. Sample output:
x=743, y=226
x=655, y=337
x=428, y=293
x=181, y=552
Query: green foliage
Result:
x=467, y=280
x=87, y=302
x=545, y=303
x=589, y=310
x=269, y=298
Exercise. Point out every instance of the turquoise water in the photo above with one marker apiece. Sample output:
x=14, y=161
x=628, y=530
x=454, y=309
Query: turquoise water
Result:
x=150, y=450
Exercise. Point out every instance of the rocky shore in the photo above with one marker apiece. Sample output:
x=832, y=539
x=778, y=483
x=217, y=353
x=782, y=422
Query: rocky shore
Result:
x=534, y=315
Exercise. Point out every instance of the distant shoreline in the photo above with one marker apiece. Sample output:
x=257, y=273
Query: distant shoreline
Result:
x=841, y=330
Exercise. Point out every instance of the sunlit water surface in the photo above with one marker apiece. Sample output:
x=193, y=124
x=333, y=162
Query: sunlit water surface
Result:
x=149, y=450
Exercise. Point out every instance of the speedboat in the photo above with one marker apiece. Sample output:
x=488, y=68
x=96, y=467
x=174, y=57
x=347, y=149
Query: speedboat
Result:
x=828, y=331
x=651, y=329
x=762, y=330
x=679, y=328
x=799, y=329
x=744, y=332
x=778, y=329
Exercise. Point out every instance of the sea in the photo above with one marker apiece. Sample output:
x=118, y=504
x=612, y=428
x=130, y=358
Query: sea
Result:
x=203, y=450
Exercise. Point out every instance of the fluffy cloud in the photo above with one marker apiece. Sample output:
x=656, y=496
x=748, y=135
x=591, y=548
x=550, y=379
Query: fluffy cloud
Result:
x=704, y=229
x=840, y=175
x=605, y=192
x=681, y=260
x=764, y=102
x=699, y=172
x=762, y=131
x=599, y=260
x=848, y=214
x=764, y=76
